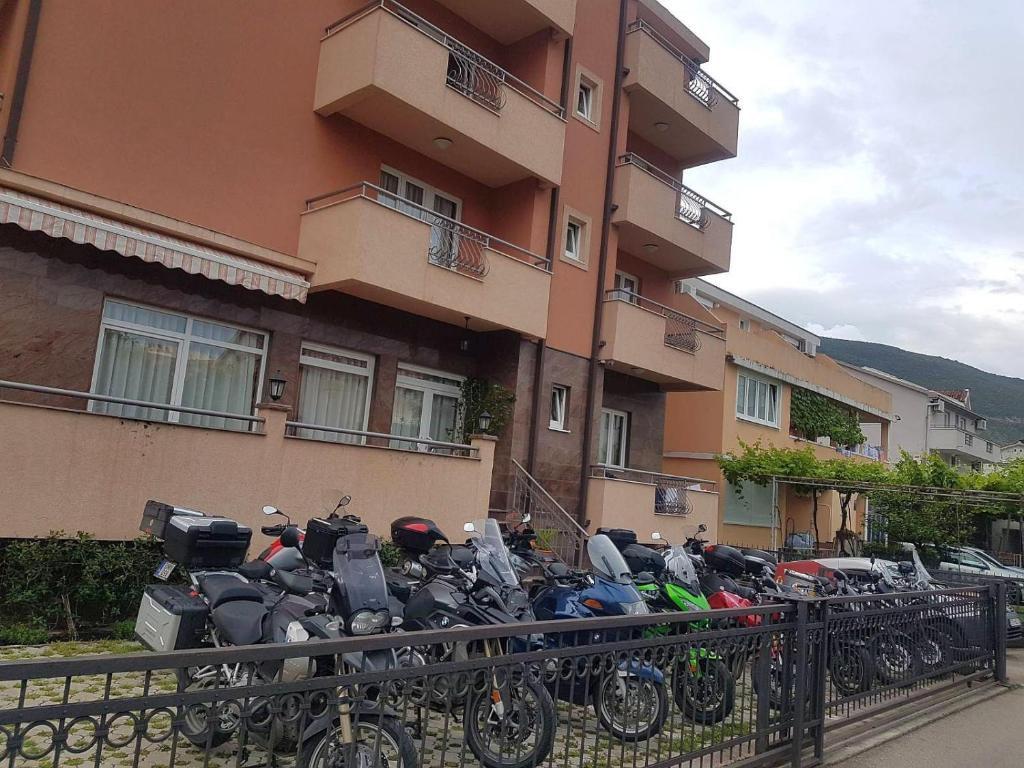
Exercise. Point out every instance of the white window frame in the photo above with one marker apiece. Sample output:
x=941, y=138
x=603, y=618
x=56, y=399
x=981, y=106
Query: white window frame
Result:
x=183, y=340
x=559, y=408
x=588, y=91
x=620, y=460
x=429, y=389
x=580, y=228
x=429, y=192
x=369, y=371
x=622, y=277
x=770, y=386
x=744, y=324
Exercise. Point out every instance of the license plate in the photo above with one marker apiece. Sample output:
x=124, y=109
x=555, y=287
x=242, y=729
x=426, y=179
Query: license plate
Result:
x=164, y=570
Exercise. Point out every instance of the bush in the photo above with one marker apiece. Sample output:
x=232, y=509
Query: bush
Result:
x=23, y=634
x=390, y=554
x=123, y=630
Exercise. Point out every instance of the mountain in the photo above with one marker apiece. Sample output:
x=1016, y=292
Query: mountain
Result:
x=998, y=398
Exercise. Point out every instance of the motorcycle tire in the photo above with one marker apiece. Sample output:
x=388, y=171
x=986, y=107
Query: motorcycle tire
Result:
x=195, y=719
x=850, y=670
x=631, y=728
x=712, y=677
x=895, y=658
x=371, y=732
x=935, y=649
x=542, y=727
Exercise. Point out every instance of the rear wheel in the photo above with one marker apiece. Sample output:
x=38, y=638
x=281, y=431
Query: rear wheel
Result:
x=376, y=741
x=212, y=724
x=629, y=707
x=896, y=658
x=849, y=667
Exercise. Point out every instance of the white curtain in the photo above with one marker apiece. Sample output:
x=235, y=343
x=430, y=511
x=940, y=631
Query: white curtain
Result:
x=443, y=416
x=218, y=379
x=136, y=367
x=332, y=399
x=407, y=416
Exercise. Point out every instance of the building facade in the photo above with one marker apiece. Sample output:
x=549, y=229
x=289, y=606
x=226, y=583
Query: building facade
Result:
x=382, y=206
x=767, y=359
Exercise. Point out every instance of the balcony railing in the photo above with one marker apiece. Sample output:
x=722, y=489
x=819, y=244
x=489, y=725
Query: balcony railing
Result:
x=470, y=73
x=453, y=245
x=693, y=208
x=670, y=495
x=681, y=331
x=377, y=439
x=700, y=85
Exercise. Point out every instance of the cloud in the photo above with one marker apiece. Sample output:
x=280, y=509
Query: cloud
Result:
x=878, y=187
x=847, y=331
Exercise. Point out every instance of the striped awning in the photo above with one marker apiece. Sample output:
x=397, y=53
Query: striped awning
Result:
x=37, y=214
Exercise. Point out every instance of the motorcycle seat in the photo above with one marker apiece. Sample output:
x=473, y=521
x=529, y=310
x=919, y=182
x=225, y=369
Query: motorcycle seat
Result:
x=240, y=622
x=255, y=569
x=398, y=587
x=220, y=588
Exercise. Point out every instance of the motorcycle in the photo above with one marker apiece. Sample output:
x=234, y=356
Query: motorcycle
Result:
x=630, y=700
x=508, y=714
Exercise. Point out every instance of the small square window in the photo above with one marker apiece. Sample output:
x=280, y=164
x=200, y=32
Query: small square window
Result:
x=585, y=100
x=559, y=407
x=574, y=240
x=744, y=324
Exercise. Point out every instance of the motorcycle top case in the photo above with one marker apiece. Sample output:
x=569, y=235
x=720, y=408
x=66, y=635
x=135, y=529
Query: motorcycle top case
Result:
x=416, y=534
x=156, y=515
x=621, y=537
x=728, y=560
x=170, y=618
x=206, y=542
x=640, y=559
x=322, y=535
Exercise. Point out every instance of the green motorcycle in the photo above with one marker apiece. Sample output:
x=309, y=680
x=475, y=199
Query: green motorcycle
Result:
x=703, y=684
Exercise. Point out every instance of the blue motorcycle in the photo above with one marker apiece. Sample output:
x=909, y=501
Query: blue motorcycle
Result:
x=630, y=699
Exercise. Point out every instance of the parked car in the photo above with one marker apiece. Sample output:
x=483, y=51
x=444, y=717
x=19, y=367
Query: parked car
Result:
x=972, y=560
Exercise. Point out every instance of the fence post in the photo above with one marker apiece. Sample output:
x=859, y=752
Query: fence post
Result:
x=999, y=625
x=762, y=684
x=820, y=683
x=800, y=692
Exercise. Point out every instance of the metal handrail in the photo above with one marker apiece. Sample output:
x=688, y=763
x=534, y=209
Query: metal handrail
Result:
x=373, y=193
x=129, y=401
x=702, y=85
x=608, y=471
x=462, y=51
x=557, y=529
x=692, y=205
x=469, y=449
x=621, y=294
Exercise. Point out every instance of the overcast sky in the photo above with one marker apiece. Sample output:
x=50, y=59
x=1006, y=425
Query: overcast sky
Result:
x=878, y=190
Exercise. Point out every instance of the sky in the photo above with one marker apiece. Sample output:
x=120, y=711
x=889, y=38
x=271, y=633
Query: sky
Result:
x=878, y=190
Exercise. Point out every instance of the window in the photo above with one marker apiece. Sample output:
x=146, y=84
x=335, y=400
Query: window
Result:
x=416, y=199
x=585, y=100
x=426, y=406
x=744, y=324
x=334, y=392
x=757, y=400
x=627, y=287
x=968, y=439
x=988, y=447
x=165, y=357
x=614, y=436
x=750, y=506
x=559, y=407
x=574, y=240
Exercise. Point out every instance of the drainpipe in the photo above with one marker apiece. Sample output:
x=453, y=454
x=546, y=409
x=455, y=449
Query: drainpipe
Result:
x=28, y=44
x=602, y=266
x=538, y=365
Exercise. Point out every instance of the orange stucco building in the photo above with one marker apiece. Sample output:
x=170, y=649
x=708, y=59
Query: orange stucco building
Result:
x=766, y=358
x=368, y=204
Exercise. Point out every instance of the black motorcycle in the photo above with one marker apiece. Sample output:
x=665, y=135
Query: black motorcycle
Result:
x=508, y=713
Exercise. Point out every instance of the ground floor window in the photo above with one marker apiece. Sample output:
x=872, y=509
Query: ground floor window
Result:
x=611, y=449
x=334, y=392
x=165, y=357
x=750, y=505
x=426, y=406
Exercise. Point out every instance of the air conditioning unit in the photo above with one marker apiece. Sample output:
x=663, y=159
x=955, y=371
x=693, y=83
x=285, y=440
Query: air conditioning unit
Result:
x=981, y=425
x=938, y=406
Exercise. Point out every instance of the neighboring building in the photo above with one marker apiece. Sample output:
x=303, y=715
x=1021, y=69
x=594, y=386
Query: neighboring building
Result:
x=934, y=421
x=767, y=357
x=1012, y=452
x=373, y=204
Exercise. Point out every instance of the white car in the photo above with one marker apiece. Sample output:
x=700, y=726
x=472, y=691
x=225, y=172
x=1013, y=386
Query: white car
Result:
x=971, y=560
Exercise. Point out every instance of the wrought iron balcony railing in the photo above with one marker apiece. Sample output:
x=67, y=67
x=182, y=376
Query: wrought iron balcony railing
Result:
x=693, y=208
x=453, y=245
x=700, y=85
x=470, y=73
x=681, y=331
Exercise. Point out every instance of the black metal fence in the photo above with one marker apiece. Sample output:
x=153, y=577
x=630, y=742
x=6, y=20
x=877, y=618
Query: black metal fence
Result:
x=761, y=684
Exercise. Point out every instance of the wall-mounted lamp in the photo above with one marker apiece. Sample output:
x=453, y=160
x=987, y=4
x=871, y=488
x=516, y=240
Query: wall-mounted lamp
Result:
x=277, y=383
x=483, y=422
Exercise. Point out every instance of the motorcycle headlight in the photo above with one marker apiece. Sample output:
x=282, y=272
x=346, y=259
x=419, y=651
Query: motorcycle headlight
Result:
x=635, y=608
x=367, y=622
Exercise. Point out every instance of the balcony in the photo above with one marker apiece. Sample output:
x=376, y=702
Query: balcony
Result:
x=392, y=71
x=509, y=21
x=674, y=104
x=651, y=341
x=968, y=447
x=650, y=501
x=667, y=224
x=371, y=244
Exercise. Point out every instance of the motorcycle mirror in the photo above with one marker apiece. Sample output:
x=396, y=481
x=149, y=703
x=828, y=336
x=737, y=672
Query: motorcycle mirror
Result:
x=469, y=528
x=526, y=518
x=290, y=537
x=343, y=502
x=701, y=528
x=268, y=510
x=655, y=536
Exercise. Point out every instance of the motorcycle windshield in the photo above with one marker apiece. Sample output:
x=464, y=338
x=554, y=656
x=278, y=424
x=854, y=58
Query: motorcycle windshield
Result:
x=359, y=573
x=607, y=560
x=491, y=553
x=681, y=568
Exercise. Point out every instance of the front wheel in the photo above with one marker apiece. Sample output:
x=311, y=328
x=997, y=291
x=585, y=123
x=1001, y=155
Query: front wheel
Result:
x=850, y=669
x=705, y=690
x=376, y=740
x=896, y=658
x=629, y=707
x=515, y=729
